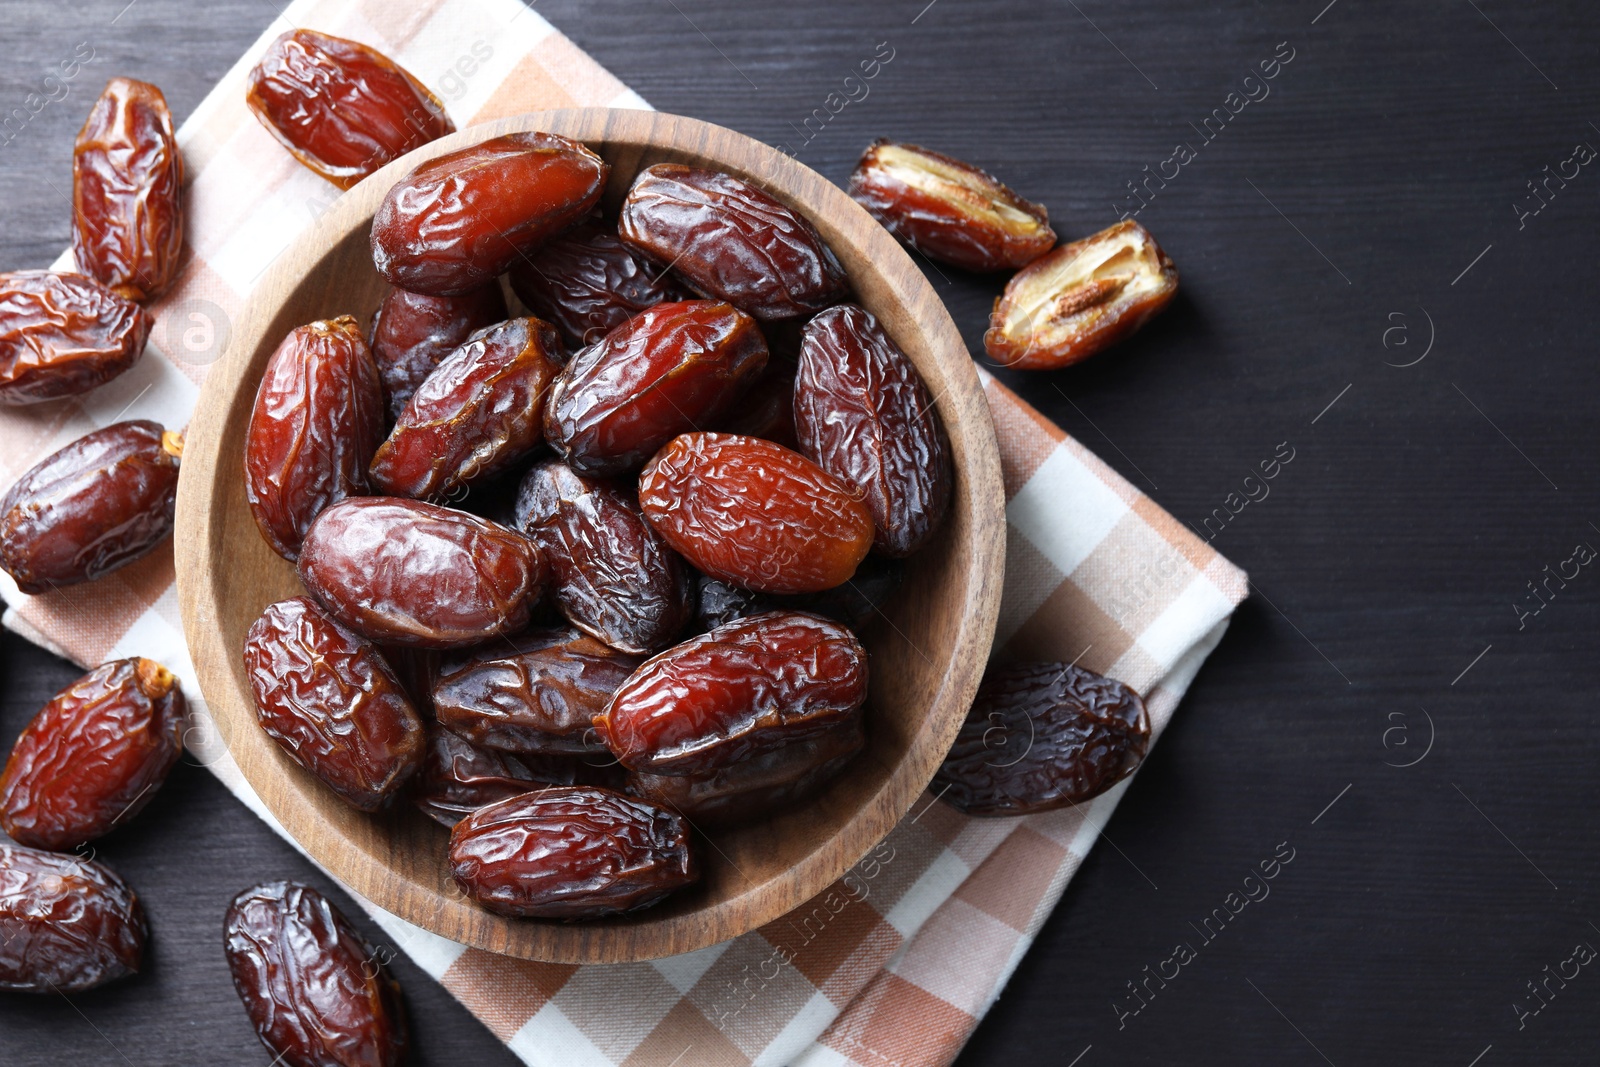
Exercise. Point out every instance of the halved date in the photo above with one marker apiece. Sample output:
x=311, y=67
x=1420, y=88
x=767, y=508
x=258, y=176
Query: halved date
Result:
x=479, y=412
x=413, y=332
x=863, y=414
x=755, y=514
x=66, y=924
x=341, y=108
x=587, y=282
x=740, y=691
x=614, y=577
x=664, y=372
x=949, y=210
x=316, y=992
x=575, y=852
x=405, y=572
x=98, y=504
x=1080, y=299
x=127, y=192
x=92, y=758
x=731, y=241
x=539, y=697
x=458, y=221
x=1042, y=736
x=63, y=334
x=332, y=703
x=754, y=789
x=458, y=777
x=317, y=420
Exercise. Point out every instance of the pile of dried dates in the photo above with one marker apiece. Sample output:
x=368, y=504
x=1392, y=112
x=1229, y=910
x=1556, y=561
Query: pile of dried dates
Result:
x=587, y=519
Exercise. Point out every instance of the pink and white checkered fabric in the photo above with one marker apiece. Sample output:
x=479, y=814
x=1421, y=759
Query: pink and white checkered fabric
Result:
x=895, y=963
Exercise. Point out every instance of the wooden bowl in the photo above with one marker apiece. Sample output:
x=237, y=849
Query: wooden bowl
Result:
x=926, y=657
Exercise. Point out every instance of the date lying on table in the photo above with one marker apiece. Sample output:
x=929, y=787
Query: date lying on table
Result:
x=66, y=923
x=316, y=992
x=94, y=756
x=1042, y=736
x=100, y=503
x=571, y=853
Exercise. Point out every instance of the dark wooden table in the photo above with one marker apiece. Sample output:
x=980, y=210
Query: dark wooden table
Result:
x=1366, y=280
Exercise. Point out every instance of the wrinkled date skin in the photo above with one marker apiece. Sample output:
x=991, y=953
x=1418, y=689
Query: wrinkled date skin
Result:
x=571, y=853
x=755, y=514
x=863, y=415
x=731, y=241
x=317, y=420
x=664, y=372
x=458, y=777
x=615, y=578
x=62, y=335
x=856, y=603
x=98, y=504
x=740, y=691
x=341, y=108
x=457, y=222
x=587, y=282
x=127, y=192
x=412, y=333
x=539, y=697
x=949, y=210
x=404, y=572
x=478, y=413
x=94, y=756
x=1080, y=299
x=1042, y=736
x=756, y=789
x=331, y=701
x=66, y=924
x=316, y=992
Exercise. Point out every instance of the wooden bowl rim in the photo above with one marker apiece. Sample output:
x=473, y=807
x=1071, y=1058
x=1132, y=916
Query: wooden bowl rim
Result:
x=637, y=937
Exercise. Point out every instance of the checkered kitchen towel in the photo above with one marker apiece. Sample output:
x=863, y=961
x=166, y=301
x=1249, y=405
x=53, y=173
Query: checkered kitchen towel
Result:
x=893, y=965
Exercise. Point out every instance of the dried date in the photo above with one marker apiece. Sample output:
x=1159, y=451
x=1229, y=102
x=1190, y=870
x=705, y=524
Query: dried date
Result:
x=458, y=221
x=405, y=572
x=578, y=852
x=755, y=514
x=855, y=603
x=949, y=210
x=664, y=372
x=127, y=192
x=98, y=504
x=863, y=415
x=66, y=924
x=755, y=789
x=767, y=409
x=1080, y=299
x=479, y=412
x=614, y=577
x=316, y=992
x=738, y=692
x=538, y=698
x=62, y=335
x=458, y=777
x=587, y=283
x=341, y=108
x=92, y=758
x=1042, y=736
x=317, y=420
x=412, y=332
x=731, y=241
x=332, y=703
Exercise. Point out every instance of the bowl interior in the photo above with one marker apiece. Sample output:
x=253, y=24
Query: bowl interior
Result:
x=927, y=654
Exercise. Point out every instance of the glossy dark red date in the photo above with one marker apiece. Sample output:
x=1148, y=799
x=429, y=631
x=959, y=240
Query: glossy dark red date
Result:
x=316, y=992
x=412, y=332
x=458, y=777
x=62, y=335
x=332, y=703
x=66, y=924
x=98, y=504
x=571, y=853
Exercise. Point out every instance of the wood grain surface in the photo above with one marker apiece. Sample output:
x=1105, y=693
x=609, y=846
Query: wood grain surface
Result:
x=927, y=657
x=1380, y=178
